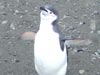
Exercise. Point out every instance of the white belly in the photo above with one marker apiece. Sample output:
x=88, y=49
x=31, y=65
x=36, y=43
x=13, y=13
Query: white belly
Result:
x=49, y=58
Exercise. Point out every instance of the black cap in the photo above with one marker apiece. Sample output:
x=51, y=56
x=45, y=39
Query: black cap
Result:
x=49, y=7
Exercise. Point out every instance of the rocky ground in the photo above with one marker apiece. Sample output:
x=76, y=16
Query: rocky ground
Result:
x=78, y=18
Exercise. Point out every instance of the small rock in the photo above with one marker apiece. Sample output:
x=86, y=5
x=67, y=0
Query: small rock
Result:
x=85, y=15
x=93, y=58
x=18, y=1
x=21, y=16
x=97, y=73
x=4, y=22
x=2, y=6
x=81, y=23
x=15, y=61
x=96, y=12
x=71, y=28
x=81, y=71
x=80, y=50
x=75, y=17
x=65, y=16
x=26, y=11
x=75, y=50
x=56, y=0
x=16, y=12
x=92, y=25
x=91, y=32
x=5, y=60
x=35, y=9
x=12, y=26
x=98, y=31
x=98, y=50
x=96, y=54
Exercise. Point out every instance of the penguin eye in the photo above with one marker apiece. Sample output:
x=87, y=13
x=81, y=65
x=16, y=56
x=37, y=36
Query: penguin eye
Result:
x=51, y=12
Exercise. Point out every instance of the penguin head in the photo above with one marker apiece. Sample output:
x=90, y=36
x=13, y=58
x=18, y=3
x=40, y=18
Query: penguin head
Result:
x=48, y=13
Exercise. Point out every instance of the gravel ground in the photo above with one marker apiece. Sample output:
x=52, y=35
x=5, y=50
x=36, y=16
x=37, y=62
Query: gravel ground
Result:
x=78, y=18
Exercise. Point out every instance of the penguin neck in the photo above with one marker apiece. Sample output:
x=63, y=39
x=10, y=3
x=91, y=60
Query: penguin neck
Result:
x=46, y=26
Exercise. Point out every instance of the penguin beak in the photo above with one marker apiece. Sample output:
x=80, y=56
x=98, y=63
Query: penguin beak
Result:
x=42, y=8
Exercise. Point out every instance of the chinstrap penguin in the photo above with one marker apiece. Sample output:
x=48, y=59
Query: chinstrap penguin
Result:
x=50, y=52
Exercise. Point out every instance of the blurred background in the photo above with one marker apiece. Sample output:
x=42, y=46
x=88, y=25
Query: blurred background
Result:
x=78, y=19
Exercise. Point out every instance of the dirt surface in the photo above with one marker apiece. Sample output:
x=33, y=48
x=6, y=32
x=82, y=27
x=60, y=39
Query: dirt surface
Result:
x=78, y=18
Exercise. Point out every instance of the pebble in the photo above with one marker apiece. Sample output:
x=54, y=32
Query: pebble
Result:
x=98, y=31
x=91, y=31
x=96, y=55
x=4, y=22
x=21, y=16
x=96, y=12
x=98, y=50
x=12, y=26
x=71, y=28
x=26, y=11
x=35, y=9
x=81, y=71
x=16, y=12
x=85, y=15
x=93, y=59
x=65, y=16
x=97, y=73
x=18, y=0
x=81, y=23
x=75, y=50
x=75, y=17
x=2, y=6
x=15, y=60
x=92, y=25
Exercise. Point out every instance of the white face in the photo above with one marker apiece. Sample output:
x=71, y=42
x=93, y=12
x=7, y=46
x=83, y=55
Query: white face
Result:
x=48, y=15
